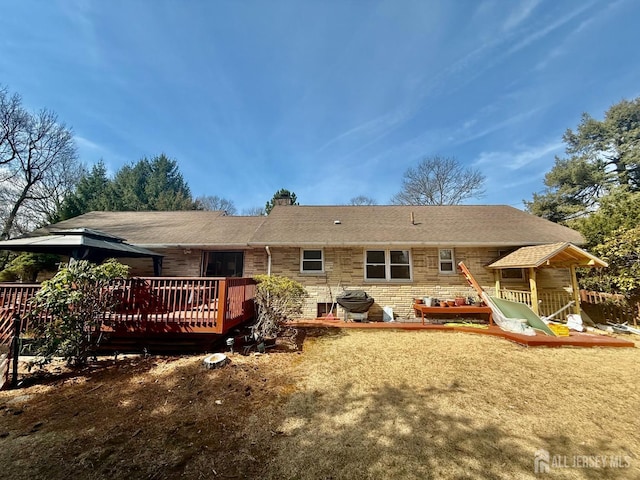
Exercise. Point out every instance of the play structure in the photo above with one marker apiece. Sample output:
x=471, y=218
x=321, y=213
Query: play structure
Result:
x=510, y=316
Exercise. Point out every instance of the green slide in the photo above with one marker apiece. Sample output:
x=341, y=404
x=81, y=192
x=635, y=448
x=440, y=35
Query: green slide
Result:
x=520, y=310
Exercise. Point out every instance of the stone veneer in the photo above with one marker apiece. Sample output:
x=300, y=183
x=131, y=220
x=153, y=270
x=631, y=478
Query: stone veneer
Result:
x=344, y=269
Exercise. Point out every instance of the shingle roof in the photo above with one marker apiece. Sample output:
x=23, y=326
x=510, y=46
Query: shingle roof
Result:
x=159, y=229
x=477, y=225
x=433, y=225
x=560, y=254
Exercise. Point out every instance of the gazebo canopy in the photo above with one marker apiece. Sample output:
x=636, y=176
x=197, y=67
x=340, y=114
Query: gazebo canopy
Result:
x=81, y=244
x=553, y=255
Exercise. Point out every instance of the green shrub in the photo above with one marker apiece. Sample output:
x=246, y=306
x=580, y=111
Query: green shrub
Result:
x=26, y=266
x=74, y=300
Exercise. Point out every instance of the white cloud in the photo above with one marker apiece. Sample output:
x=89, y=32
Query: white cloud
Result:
x=85, y=143
x=520, y=15
x=515, y=160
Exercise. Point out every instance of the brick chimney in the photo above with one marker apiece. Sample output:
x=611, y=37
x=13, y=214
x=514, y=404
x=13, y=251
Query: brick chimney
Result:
x=283, y=199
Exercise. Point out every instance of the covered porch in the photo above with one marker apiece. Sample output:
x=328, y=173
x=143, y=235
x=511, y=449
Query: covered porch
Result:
x=535, y=258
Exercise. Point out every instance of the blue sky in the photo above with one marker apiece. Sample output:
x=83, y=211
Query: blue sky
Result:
x=328, y=98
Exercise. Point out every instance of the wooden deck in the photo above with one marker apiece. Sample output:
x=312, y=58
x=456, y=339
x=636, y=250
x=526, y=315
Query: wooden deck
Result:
x=171, y=305
x=575, y=339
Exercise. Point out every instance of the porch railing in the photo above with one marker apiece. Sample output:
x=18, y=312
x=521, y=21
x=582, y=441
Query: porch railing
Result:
x=212, y=305
x=549, y=301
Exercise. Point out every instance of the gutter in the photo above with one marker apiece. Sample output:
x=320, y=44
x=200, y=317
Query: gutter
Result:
x=266, y=247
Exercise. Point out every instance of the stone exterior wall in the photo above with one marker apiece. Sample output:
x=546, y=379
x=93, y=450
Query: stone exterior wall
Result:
x=178, y=262
x=344, y=269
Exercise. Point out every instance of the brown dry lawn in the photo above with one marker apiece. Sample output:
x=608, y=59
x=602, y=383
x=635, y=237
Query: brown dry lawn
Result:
x=356, y=404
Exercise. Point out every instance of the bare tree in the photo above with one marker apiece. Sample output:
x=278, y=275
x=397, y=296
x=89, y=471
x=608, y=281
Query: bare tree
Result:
x=39, y=165
x=214, y=202
x=439, y=181
x=12, y=119
x=362, y=200
x=254, y=212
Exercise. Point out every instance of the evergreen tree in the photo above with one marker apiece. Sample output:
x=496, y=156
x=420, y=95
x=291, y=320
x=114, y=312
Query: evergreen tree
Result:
x=282, y=196
x=603, y=155
x=93, y=192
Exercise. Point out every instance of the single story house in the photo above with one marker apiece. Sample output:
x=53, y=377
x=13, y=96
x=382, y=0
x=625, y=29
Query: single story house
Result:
x=394, y=253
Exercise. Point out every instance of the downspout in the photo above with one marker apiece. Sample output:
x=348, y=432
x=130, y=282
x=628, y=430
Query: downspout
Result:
x=268, y=260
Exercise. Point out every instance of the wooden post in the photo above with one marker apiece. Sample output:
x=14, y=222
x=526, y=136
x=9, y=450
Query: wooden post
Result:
x=222, y=306
x=576, y=290
x=534, y=291
x=496, y=276
x=15, y=351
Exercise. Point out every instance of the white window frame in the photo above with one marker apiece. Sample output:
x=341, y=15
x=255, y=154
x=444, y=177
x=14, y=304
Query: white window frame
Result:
x=452, y=261
x=388, y=264
x=302, y=260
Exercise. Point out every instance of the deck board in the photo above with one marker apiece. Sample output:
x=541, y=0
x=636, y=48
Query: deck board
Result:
x=575, y=339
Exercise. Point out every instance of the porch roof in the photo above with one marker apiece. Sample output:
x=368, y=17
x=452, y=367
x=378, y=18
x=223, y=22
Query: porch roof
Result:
x=553, y=255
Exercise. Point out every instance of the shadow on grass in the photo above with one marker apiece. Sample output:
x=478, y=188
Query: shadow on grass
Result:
x=152, y=418
x=395, y=432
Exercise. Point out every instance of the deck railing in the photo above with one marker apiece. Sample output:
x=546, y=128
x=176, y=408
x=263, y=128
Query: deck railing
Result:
x=14, y=301
x=160, y=304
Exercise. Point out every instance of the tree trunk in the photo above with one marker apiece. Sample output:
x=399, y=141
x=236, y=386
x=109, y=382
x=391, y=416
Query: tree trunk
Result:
x=8, y=224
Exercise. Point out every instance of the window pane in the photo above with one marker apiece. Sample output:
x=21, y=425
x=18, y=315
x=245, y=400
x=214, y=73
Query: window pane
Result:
x=224, y=264
x=400, y=271
x=400, y=257
x=512, y=273
x=446, y=254
x=375, y=256
x=446, y=266
x=312, y=254
x=312, y=265
x=375, y=271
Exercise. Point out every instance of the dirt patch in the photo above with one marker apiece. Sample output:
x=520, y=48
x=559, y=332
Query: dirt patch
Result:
x=357, y=404
x=159, y=418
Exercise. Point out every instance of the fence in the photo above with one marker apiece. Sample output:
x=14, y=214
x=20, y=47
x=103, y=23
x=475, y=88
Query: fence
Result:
x=609, y=307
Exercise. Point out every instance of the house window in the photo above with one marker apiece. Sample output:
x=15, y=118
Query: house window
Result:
x=510, y=274
x=446, y=260
x=224, y=264
x=387, y=265
x=312, y=261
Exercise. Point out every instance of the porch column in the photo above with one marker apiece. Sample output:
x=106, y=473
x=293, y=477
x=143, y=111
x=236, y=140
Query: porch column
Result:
x=533, y=286
x=496, y=276
x=157, y=266
x=576, y=290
